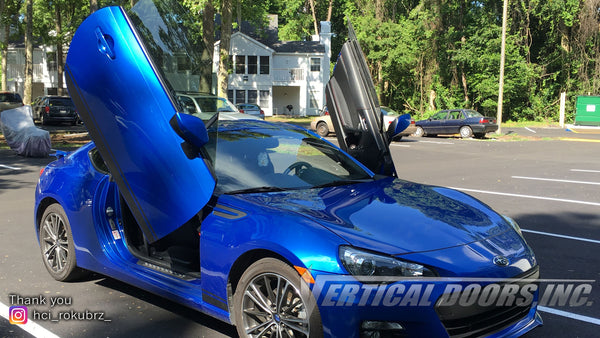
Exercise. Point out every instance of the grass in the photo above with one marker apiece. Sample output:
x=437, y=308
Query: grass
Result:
x=530, y=124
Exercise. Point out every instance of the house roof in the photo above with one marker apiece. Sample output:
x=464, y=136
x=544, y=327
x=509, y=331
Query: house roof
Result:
x=298, y=47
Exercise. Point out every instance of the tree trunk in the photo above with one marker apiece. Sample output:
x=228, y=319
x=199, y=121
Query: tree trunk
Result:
x=226, y=17
x=239, y=14
x=314, y=15
x=28, y=53
x=208, y=36
x=329, y=10
x=93, y=6
x=59, y=49
x=3, y=46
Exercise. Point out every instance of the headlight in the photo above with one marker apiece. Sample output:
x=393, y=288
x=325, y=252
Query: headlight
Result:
x=363, y=263
x=513, y=224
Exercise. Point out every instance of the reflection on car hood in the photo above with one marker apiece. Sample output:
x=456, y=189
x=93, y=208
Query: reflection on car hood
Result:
x=391, y=215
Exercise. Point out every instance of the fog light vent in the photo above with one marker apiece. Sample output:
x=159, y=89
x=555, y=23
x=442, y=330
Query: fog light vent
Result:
x=377, y=329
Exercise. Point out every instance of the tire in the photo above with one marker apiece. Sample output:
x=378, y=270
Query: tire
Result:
x=466, y=132
x=56, y=245
x=43, y=120
x=420, y=132
x=322, y=129
x=257, y=311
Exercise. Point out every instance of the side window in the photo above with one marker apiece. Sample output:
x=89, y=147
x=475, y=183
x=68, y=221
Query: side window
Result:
x=98, y=161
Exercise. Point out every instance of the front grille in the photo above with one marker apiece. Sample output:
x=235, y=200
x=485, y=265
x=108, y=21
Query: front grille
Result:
x=477, y=320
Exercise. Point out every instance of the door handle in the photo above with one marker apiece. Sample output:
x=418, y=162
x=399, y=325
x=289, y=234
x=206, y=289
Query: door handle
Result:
x=105, y=43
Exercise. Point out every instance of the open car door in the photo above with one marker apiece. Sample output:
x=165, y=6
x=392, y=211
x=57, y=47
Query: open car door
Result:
x=122, y=71
x=355, y=112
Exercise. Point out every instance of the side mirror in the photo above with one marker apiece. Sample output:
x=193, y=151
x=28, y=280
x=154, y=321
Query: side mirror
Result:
x=398, y=125
x=190, y=128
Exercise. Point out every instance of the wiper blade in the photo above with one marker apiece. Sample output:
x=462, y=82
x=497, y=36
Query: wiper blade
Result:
x=341, y=182
x=256, y=189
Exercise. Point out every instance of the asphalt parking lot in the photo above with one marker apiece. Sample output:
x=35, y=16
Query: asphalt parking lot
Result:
x=550, y=187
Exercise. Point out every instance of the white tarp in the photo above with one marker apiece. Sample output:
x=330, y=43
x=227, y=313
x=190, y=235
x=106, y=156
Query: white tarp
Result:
x=22, y=135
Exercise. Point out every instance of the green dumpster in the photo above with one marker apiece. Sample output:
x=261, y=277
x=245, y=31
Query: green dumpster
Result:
x=587, y=111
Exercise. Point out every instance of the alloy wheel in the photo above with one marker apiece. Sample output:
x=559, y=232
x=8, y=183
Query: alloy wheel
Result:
x=55, y=242
x=273, y=307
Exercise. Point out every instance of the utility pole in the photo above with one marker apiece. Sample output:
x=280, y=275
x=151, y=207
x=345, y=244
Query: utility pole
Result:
x=502, y=59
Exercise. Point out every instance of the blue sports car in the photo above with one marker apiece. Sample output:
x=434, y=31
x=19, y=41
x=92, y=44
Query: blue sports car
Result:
x=265, y=226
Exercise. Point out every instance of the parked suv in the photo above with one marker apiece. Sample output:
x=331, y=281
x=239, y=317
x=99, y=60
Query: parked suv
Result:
x=10, y=100
x=49, y=109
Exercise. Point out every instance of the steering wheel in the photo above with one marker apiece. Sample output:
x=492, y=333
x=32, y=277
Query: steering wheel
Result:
x=298, y=168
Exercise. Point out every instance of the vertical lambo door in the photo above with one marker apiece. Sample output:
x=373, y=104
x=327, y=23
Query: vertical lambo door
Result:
x=123, y=70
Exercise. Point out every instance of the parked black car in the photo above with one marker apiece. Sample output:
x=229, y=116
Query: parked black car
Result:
x=465, y=122
x=10, y=100
x=51, y=109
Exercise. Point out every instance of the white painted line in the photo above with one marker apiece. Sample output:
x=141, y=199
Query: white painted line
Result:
x=9, y=167
x=562, y=236
x=555, y=180
x=571, y=315
x=435, y=142
x=531, y=130
x=586, y=171
x=30, y=327
x=528, y=196
x=400, y=145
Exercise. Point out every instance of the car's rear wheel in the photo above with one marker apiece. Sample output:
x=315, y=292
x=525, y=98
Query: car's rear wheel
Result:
x=419, y=132
x=322, y=129
x=272, y=300
x=43, y=119
x=466, y=132
x=56, y=244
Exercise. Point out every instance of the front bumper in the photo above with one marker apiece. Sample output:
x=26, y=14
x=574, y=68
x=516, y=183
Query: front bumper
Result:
x=419, y=308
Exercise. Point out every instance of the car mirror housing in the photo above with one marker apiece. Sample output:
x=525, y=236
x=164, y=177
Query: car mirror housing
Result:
x=190, y=128
x=398, y=125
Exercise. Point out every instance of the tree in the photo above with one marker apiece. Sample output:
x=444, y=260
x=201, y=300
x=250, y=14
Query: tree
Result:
x=28, y=52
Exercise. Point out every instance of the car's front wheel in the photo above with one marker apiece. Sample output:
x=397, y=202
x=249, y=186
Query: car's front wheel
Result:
x=322, y=129
x=56, y=244
x=272, y=300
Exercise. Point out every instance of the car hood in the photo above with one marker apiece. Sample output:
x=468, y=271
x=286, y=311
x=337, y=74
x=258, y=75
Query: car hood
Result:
x=392, y=215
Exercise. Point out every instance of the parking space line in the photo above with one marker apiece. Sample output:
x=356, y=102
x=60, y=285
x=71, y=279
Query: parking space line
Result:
x=571, y=315
x=562, y=236
x=30, y=327
x=528, y=196
x=586, y=171
x=435, y=142
x=9, y=167
x=554, y=180
x=400, y=145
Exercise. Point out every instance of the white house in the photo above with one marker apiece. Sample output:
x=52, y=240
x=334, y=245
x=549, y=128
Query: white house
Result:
x=278, y=75
x=44, y=70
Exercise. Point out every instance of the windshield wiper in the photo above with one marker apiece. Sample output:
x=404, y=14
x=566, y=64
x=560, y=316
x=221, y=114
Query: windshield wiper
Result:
x=256, y=189
x=341, y=182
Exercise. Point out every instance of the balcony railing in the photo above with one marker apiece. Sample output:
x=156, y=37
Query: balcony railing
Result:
x=288, y=75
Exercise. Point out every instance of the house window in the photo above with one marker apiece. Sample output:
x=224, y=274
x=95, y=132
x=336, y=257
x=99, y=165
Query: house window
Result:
x=264, y=98
x=230, y=95
x=315, y=64
x=252, y=96
x=240, y=64
x=240, y=96
x=51, y=61
x=252, y=64
x=264, y=65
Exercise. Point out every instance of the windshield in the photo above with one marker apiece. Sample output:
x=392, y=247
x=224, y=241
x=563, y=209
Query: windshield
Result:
x=472, y=113
x=257, y=156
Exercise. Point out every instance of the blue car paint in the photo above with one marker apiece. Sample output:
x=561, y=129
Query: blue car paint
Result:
x=304, y=228
x=127, y=108
x=301, y=231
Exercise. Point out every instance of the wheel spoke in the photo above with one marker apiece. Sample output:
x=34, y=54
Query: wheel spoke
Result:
x=297, y=328
x=263, y=327
x=258, y=299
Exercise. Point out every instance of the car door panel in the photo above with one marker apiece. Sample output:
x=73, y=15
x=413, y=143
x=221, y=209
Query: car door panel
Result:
x=354, y=109
x=126, y=107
